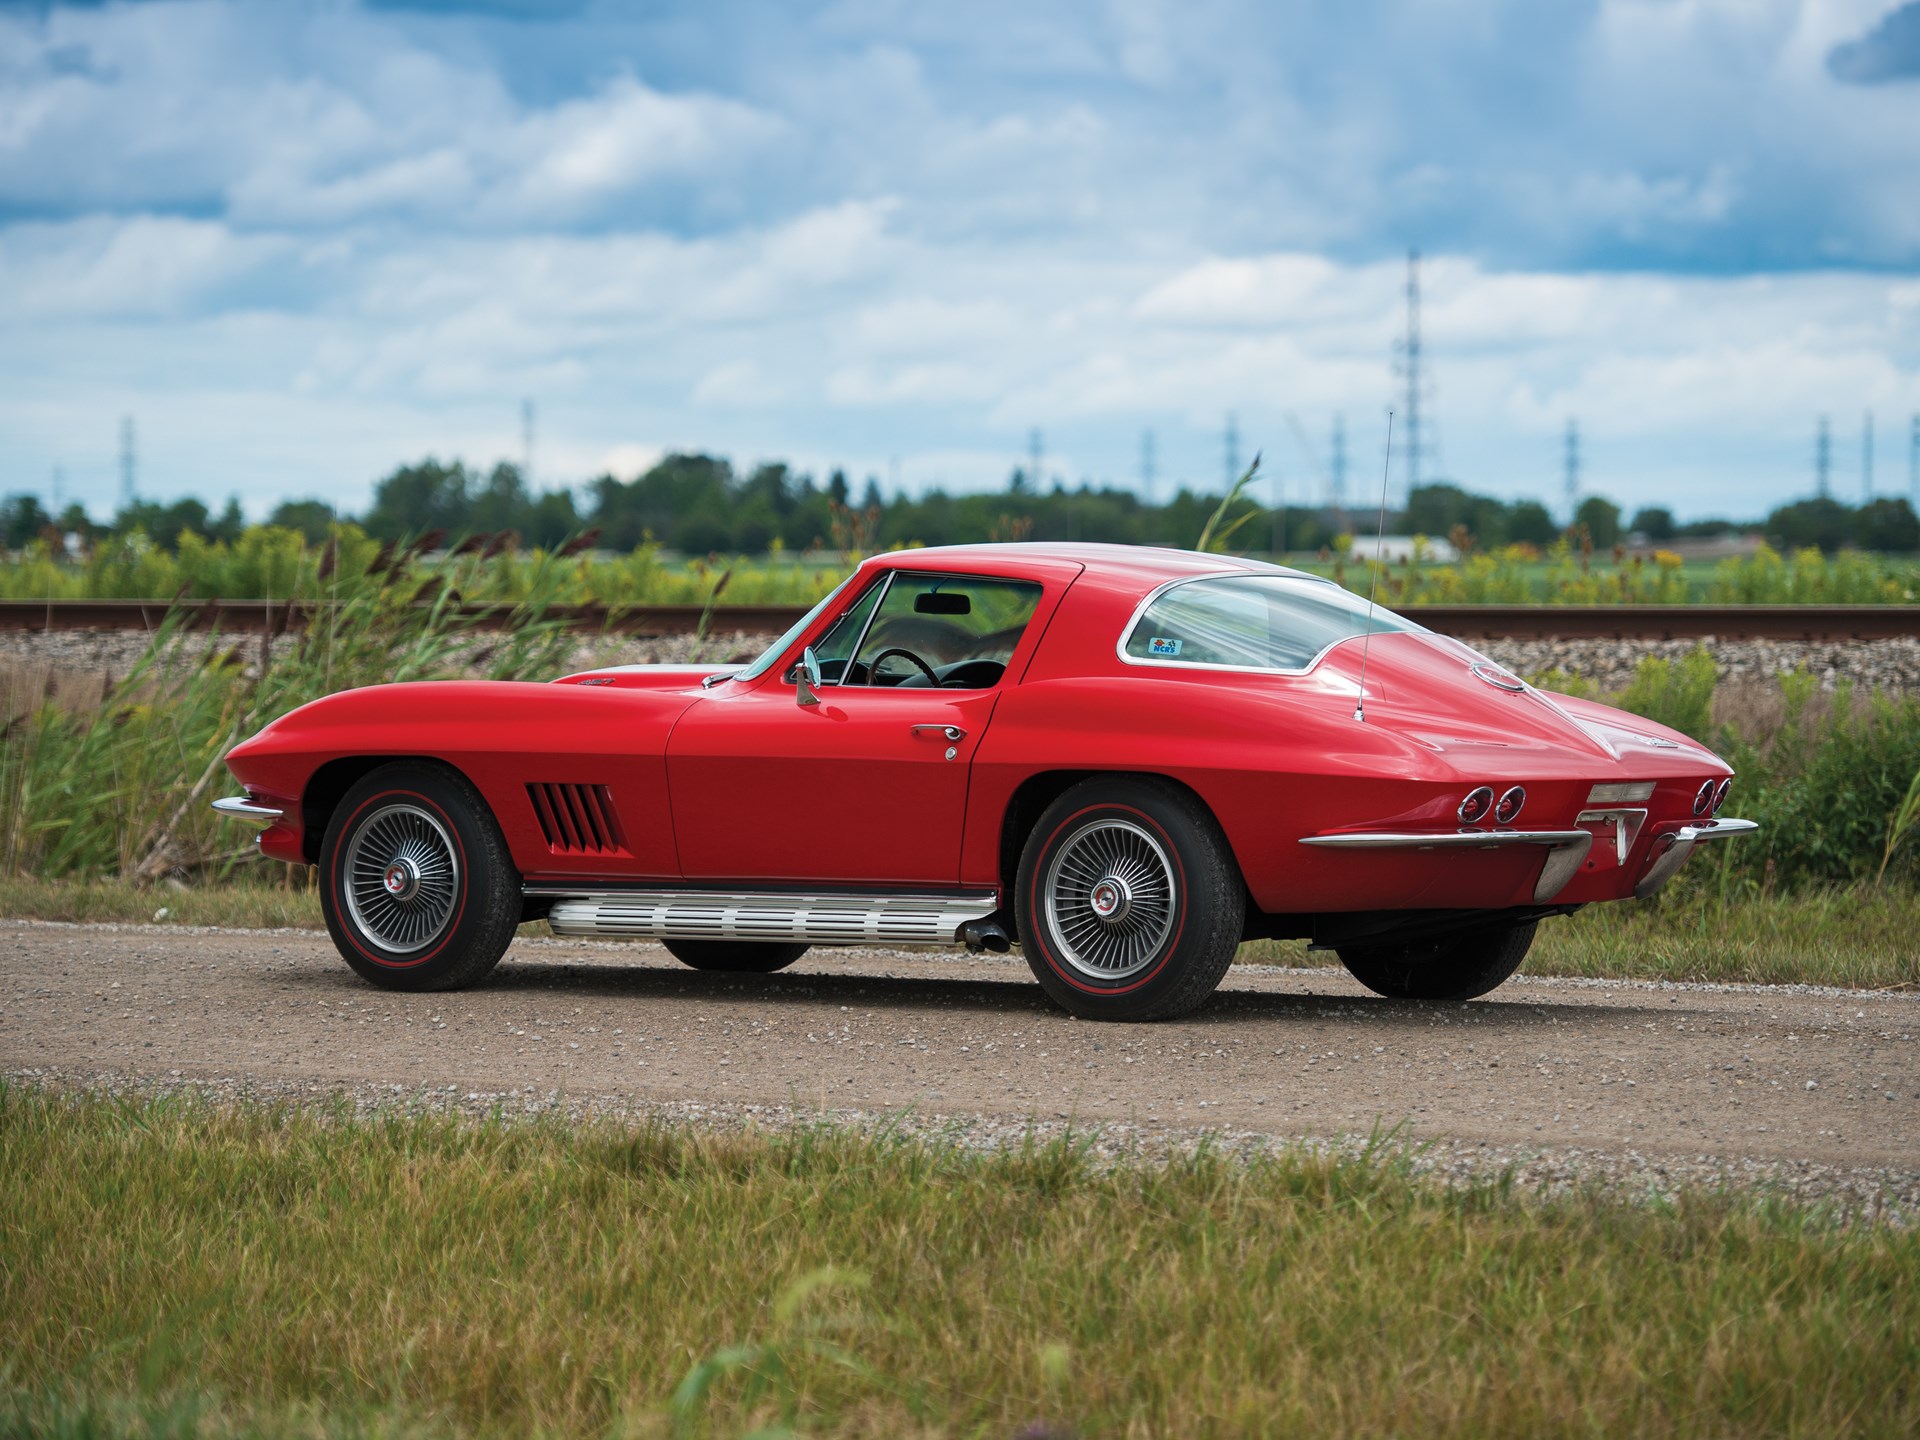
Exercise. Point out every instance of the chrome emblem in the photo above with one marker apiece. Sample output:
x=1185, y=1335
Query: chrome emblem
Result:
x=1498, y=678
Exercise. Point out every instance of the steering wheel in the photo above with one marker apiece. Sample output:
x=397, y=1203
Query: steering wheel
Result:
x=873, y=665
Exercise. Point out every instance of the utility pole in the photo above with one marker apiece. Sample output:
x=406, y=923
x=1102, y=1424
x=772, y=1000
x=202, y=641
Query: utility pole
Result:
x=1233, y=450
x=1866, y=459
x=526, y=443
x=1822, y=458
x=126, y=462
x=1036, y=456
x=1146, y=467
x=1570, y=478
x=1337, y=471
x=59, y=484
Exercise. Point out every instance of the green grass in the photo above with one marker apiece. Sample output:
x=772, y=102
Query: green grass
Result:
x=165, y=1264
x=1856, y=936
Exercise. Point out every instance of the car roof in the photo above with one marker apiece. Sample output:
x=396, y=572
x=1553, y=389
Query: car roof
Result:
x=1143, y=565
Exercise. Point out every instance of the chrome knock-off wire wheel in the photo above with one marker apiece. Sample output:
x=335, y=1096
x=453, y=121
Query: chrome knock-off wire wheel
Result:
x=1109, y=894
x=401, y=878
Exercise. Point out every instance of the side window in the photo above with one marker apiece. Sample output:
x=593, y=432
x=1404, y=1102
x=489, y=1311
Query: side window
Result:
x=835, y=648
x=953, y=631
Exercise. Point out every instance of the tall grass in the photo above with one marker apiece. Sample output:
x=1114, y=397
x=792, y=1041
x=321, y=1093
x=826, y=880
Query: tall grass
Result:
x=124, y=791
x=285, y=1271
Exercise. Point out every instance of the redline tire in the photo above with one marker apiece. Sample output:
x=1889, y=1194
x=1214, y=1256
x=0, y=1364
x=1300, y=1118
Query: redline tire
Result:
x=417, y=887
x=1129, y=901
x=1461, y=967
x=736, y=957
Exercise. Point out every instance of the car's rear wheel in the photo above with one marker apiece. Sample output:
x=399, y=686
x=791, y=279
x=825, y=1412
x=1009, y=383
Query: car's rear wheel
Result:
x=417, y=887
x=1129, y=902
x=1459, y=967
x=740, y=957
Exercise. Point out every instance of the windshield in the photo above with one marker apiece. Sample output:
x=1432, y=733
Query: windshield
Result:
x=1252, y=622
x=771, y=655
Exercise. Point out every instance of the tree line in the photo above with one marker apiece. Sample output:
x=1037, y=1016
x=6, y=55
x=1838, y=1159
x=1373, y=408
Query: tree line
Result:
x=699, y=504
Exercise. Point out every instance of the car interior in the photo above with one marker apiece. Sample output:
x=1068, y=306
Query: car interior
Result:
x=954, y=632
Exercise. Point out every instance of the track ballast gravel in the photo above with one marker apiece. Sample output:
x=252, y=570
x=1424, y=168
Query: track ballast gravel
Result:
x=1817, y=1090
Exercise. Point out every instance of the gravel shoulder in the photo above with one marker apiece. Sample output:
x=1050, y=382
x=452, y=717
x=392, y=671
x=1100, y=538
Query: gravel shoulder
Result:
x=1817, y=1090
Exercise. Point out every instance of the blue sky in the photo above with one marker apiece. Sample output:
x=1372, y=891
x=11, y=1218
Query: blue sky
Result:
x=301, y=243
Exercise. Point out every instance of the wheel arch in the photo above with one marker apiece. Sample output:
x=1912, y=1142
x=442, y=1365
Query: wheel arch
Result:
x=329, y=784
x=1033, y=795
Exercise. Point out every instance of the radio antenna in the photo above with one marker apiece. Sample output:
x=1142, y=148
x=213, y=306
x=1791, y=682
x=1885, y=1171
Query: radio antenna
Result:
x=1379, y=557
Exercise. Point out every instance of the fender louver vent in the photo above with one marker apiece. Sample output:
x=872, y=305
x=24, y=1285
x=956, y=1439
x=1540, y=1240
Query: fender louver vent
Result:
x=577, y=819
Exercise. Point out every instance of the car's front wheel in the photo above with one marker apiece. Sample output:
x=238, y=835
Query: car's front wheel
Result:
x=417, y=887
x=1459, y=967
x=1129, y=901
x=739, y=957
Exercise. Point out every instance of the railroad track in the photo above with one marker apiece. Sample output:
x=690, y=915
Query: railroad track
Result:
x=1517, y=622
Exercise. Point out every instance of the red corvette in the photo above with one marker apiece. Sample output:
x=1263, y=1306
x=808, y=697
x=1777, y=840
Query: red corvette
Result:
x=1125, y=760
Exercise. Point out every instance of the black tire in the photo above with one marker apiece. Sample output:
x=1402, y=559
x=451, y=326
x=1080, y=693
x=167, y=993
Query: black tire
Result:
x=1155, y=955
x=738, y=957
x=458, y=919
x=1461, y=967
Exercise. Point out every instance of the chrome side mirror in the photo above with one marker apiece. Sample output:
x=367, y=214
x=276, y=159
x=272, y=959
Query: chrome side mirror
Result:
x=807, y=684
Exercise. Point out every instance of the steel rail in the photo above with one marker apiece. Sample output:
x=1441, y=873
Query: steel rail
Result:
x=1837, y=623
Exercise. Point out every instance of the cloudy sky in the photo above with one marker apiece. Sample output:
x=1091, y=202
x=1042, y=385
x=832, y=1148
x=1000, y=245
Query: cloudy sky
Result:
x=303, y=242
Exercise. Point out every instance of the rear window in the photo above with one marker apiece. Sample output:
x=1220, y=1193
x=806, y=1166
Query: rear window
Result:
x=1252, y=622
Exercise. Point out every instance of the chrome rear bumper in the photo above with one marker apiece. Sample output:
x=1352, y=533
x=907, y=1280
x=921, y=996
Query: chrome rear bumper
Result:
x=1671, y=852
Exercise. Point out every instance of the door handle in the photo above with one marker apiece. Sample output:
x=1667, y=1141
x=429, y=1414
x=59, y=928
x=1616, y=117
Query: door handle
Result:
x=946, y=732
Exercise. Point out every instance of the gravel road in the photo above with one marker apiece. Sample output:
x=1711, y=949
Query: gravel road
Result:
x=1818, y=1088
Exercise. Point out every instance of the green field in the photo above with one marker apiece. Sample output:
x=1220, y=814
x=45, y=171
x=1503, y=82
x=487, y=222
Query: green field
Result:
x=169, y=1268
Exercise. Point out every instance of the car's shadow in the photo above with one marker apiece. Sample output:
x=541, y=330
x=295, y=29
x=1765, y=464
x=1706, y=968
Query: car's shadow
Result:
x=1019, y=996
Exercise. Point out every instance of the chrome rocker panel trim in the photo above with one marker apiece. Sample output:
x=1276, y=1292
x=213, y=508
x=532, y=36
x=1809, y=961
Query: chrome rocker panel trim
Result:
x=1566, y=849
x=815, y=918
x=241, y=808
x=1667, y=862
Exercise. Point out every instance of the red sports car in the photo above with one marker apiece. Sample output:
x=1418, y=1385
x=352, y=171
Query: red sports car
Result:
x=1125, y=760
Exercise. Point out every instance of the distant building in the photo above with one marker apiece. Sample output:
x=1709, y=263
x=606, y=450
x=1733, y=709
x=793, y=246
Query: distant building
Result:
x=1395, y=549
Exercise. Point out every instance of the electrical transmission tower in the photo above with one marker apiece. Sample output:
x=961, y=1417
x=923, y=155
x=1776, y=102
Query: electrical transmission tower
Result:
x=1416, y=427
x=1913, y=463
x=1036, y=457
x=1570, y=476
x=1337, y=469
x=1146, y=467
x=1866, y=458
x=1822, y=458
x=126, y=462
x=1232, y=449
x=526, y=443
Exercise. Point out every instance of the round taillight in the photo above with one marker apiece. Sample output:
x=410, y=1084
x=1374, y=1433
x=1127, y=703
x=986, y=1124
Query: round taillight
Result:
x=1474, y=808
x=1720, y=795
x=1703, y=801
x=1509, y=806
